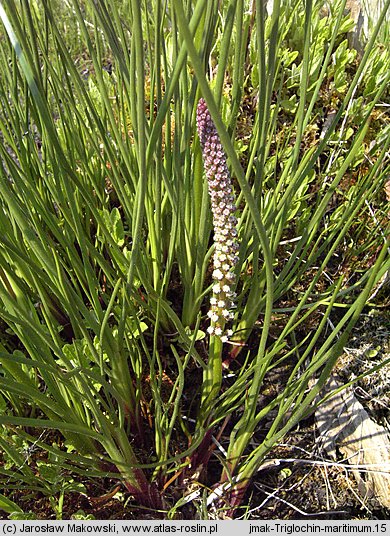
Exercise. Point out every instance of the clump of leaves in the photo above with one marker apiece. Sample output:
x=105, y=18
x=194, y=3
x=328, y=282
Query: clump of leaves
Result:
x=105, y=228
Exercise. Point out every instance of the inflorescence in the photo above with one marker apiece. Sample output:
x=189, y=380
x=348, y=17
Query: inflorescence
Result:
x=224, y=222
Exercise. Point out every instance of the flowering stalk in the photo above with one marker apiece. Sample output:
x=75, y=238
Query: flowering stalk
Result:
x=224, y=222
x=225, y=256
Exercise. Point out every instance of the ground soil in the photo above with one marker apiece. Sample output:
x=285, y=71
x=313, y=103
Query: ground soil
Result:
x=308, y=485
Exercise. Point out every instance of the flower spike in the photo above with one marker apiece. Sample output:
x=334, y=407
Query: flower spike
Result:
x=224, y=221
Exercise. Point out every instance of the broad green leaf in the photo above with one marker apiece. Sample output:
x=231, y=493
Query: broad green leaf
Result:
x=9, y=506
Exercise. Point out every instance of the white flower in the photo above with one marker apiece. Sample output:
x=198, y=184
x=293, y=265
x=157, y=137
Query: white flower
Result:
x=217, y=274
x=230, y=276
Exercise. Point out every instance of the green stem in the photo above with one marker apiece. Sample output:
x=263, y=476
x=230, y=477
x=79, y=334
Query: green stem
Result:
x=212, y=380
